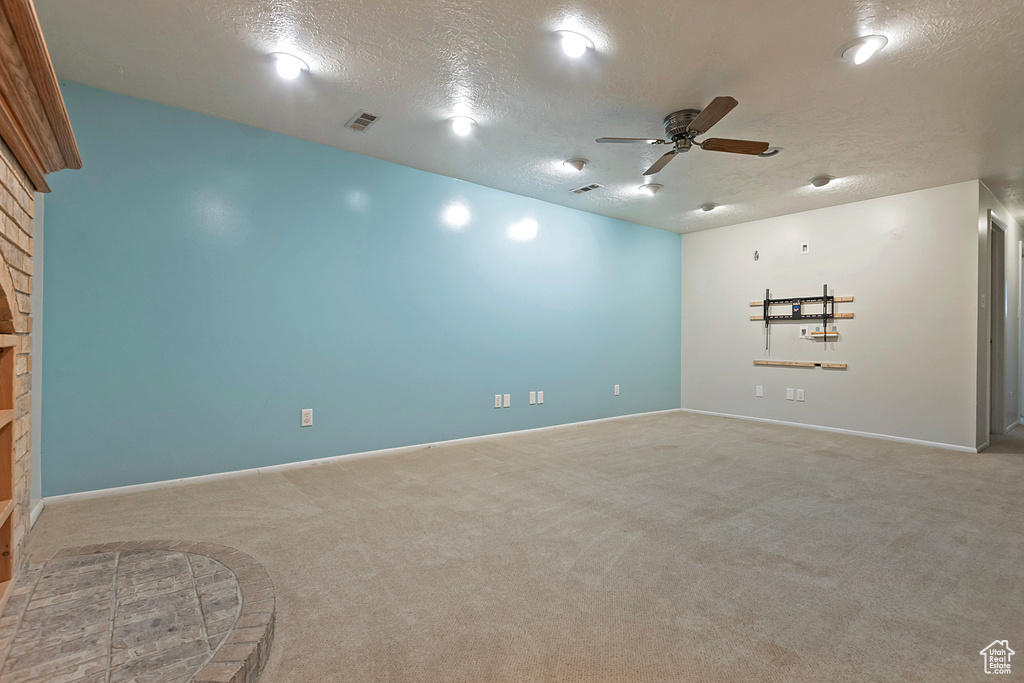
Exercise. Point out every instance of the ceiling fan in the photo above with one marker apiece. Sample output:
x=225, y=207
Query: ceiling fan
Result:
x=681, y=127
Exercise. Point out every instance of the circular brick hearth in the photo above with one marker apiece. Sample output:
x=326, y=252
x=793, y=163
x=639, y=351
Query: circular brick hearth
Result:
x=139, y=611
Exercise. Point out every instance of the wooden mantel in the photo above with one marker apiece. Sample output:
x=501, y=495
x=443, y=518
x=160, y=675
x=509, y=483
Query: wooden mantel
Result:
x=33, y=120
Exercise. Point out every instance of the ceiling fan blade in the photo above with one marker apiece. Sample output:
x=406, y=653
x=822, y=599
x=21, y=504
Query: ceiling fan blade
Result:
x=734, y=146
x=712, y=114
x=661, y=162
x=649, y=141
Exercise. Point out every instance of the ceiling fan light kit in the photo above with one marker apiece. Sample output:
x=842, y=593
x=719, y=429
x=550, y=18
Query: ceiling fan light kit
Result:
x=684, y=126
x=709, y=206
x=577, y=163
x=822, y=180
x=650, y=188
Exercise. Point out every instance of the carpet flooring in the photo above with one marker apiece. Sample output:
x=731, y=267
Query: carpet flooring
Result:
x=667, y=547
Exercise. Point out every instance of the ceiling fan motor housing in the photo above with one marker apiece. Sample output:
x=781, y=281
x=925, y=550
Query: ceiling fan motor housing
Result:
x=676, y=123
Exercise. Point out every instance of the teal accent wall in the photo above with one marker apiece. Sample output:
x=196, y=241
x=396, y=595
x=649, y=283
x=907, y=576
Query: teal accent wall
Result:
x=205, y=281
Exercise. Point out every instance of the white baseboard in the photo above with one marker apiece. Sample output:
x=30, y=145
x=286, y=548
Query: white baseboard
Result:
x=837, y=430
x=152, y=486
x=34, y=515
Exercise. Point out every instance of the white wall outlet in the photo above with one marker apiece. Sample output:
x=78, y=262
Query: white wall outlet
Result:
x=508, y=400
x=805, y=248
x=799, y=394
x=540, y=397
x=497, y=400
x=616, y=389
x=533, y=398
x=804, y=332
x=307, y=417
x=789, y=394
x=759, y=391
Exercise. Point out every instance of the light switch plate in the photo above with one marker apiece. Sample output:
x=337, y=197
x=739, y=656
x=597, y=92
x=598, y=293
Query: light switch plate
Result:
x=540, y=397
x=616, y=389
x=533, y=398
x=805, y=248
x=789, y=394
x=497, y=400
x=508, y=400
x=759, y=391
x=799, y=394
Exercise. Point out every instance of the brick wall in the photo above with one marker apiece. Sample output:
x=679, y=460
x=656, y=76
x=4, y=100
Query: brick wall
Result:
x=16, y=238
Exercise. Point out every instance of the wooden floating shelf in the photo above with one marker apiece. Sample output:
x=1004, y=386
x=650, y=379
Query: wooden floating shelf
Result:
x=801, y=364
x=808, y=318
x=837, y=299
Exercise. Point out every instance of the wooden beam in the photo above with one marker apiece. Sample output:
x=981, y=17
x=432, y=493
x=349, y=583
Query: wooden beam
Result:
x=33, y=119
x=25, y=24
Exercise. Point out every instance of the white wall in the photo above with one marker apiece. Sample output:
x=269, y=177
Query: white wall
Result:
x=1012, y=343
x=910, y=261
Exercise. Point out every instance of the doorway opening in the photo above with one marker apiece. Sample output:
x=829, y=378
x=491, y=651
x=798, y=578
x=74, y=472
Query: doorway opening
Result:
x=998, y=383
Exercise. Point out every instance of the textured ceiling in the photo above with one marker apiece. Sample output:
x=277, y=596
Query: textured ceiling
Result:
x=942, y=103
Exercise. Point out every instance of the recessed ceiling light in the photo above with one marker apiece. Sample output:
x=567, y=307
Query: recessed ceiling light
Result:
x=462, y=125
x=858, y=51
x=576, y=163
x=822, y=180
x=575, y=44
x=770, y=152
x=709, y=206
x=650, y=188
x=289, y=66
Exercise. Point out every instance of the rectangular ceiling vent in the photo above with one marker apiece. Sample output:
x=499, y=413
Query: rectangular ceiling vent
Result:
x=362, y=120
x=587, y=188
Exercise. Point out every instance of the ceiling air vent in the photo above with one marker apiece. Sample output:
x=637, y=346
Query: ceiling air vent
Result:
x=586, y=188
x=362, y=120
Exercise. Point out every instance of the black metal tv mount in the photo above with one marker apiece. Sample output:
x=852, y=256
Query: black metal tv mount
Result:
x=796, y=311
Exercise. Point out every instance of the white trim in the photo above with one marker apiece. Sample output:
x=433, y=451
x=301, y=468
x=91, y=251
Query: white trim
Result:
x=34, y=515
x=152, y=486
x=872, y=435
x=982, y=447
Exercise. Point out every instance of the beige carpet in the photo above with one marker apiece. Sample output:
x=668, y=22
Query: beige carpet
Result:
x=669, y=547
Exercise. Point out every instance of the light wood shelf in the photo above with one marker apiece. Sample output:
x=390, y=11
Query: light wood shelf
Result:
x=801, y=364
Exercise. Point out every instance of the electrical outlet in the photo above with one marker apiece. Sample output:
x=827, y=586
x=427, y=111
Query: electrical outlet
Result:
x=307, y=417
x=533, y=398
x=508, y=400
x=804, y=331
x=789, y=394
x=540, y=397
x=616, y=389
x=759, y=391
x=497, y=400
x=799, y=394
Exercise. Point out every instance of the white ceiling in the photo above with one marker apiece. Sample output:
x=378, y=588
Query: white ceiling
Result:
x=942, y=103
